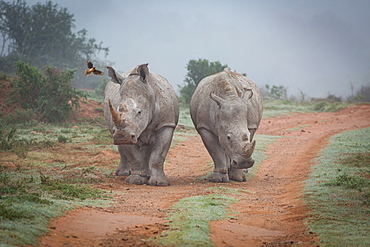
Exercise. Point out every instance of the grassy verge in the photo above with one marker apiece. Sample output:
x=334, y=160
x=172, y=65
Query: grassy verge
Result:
x=338, y=191
x=46, y=170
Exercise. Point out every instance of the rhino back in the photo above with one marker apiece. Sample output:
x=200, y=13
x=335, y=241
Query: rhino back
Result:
x=203, y=108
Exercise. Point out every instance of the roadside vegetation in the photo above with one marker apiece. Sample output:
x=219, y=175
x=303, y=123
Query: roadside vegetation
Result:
x=338, y=191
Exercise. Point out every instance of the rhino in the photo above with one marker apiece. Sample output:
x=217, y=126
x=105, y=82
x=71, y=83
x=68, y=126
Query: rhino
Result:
x=141, y=110
x=226, y=109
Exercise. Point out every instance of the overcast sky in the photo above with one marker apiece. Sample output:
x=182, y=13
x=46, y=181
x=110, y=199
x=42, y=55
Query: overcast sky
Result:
x=314, y=46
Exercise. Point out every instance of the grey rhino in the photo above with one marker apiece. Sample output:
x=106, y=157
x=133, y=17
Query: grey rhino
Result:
x=141, y=110
x=226, y=109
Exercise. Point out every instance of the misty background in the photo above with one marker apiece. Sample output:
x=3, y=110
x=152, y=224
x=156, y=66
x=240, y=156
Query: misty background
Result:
x=316, y=47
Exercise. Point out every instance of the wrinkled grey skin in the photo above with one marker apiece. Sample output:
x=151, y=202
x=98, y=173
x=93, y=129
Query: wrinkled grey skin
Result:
x=141, y=110
x=226, y=109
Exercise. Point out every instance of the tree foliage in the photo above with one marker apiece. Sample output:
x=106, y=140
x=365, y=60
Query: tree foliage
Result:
x=197, y=70
x=49, y=94
x=274, y=92
x=42, y=35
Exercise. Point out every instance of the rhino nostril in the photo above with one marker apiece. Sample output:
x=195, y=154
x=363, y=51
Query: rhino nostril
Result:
x=235, y=163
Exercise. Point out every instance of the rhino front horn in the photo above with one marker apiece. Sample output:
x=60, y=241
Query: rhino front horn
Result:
x=115, y=115
x=250, y=148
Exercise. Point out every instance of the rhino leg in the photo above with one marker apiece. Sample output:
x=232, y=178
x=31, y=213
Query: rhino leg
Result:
x=237, y=175
x=158, y=155
x=220, y=174
x=136, y=158
x=124, y=167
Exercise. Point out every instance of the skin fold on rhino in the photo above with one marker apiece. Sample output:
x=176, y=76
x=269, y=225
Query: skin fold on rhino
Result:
x=141, y=110
x=226, y=109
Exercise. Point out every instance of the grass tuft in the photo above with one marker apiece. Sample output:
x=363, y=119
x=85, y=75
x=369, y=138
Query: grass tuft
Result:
x=190, y=222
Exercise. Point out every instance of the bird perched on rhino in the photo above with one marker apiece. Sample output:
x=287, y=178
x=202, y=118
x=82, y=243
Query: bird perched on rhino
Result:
x=91, y=69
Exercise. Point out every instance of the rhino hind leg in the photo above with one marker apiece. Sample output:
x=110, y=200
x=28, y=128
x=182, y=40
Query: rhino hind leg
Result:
x=237, y=175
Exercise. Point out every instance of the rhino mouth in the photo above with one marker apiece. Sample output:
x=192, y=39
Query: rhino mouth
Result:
x=242, y=164
x=119, y=139
x=124, y=142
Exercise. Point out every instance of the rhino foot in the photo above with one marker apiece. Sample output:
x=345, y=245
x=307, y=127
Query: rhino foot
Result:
x=237, y=175
x=217, y=177
x=159, y=182
x=123, y=172
x=136, y=179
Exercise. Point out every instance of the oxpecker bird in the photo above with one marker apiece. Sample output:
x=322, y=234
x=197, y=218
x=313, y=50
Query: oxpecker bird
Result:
x=91, y=69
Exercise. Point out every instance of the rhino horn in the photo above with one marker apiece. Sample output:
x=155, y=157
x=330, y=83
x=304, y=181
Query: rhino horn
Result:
x=220, y=101
x=115, y=115
x=250, y=148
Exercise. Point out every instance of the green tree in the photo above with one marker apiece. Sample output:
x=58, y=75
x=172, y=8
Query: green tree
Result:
x=42, y=35
x=197, y=70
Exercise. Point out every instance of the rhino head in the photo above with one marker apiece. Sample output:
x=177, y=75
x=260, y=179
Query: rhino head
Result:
x=136, y=105
x=232, y=127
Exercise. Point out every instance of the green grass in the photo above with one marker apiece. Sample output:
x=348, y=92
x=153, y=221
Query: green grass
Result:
x=274, y=108
x=189, y=224
x=338, y=191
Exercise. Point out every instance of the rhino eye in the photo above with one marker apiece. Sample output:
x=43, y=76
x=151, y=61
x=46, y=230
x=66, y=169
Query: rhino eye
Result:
x=139, y=112
x=228, y=137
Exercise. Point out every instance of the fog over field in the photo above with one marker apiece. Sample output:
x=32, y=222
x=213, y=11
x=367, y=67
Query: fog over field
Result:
x=317, y=46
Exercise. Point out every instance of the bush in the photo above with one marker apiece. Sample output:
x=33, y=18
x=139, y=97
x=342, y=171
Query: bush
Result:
x=362, y=95
x=48, y=94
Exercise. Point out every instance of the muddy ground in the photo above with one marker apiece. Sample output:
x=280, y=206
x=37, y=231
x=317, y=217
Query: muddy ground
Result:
x=272, y=214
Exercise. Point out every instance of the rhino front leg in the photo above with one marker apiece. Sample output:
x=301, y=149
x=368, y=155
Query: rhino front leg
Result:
x=124, y=167
x=220, y=173
x=158, y=155
x=136, y=158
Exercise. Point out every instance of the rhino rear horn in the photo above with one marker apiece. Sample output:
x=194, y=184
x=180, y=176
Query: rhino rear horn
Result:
x=116, y=78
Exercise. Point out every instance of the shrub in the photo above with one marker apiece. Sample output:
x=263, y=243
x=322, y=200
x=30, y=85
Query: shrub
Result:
x=48, y=94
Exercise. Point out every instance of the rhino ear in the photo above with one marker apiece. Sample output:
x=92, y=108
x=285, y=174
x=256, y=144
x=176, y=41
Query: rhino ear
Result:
x=116, y=78
x=247, y=94
x=220, y=101
x=143, y=72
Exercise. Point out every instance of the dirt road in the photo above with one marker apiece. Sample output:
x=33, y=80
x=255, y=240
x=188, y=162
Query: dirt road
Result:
x=271, y=215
